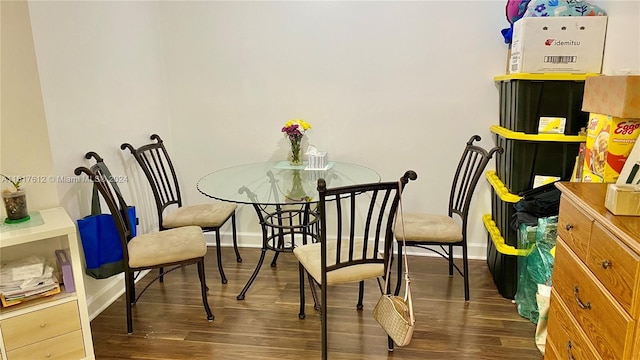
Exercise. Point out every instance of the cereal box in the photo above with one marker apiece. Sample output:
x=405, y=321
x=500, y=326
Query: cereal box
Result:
x=609, y=143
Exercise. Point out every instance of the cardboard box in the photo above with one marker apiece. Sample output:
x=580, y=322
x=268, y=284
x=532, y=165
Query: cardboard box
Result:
x=558, y=44
x=631, y=171
x=617, y=96
x=609, y=143
x=623, y=199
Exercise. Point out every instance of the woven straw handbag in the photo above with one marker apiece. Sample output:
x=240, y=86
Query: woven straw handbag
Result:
x=395, y=313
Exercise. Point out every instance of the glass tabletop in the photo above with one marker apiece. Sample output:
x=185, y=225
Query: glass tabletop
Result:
x=277, y=182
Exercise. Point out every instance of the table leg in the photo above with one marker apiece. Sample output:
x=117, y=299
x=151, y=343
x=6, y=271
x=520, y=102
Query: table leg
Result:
x=253, y=276
x=274, y=231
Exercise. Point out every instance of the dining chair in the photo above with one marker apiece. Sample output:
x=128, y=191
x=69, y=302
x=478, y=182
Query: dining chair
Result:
x=156, y=164
x=424, y=230
x=172, y=248
x=355, y=240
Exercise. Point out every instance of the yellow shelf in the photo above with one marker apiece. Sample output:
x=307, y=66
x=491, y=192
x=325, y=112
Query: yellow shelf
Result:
x=508, y=134
x=548, y=76
x=500, y=188
x=498, y=240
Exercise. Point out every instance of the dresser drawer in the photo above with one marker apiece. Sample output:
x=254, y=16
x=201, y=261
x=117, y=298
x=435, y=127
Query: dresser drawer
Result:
x=607, y=325
x=68, y=346
x=574, y=227
x=550, y=353
x=615, y=265
x=565, y=334
x=40, y=325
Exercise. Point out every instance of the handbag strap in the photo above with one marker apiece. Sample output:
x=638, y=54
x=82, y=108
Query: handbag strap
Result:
x=407, y=290
x=95, y=199
x=404, y=254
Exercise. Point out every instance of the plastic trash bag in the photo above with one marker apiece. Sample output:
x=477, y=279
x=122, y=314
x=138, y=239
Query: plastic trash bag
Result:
x=537, y=267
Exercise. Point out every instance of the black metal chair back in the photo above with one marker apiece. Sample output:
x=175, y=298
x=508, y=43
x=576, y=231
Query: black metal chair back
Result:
x=108, y=189
x=156, y=164
x=358, y=221
x=473, y=161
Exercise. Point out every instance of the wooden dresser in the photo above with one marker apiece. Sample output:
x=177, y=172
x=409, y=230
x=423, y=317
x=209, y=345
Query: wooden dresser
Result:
x=595, y=297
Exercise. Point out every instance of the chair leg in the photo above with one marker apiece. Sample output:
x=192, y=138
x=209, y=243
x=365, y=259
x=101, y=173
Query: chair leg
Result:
x=161, y=275
x=235, y=237
x=219, y=257
x=132, y=292
x=203, y=289
x=314, y=292
x=301, y=314
x=465, y=260
x=389, y=343
x=450, y=260
x=129, y=295
x=360, y=295
x=323, y=320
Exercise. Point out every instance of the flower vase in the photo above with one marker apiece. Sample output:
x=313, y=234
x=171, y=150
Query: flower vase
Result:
x=295, y=158
x=297, y=192
x=16, y=205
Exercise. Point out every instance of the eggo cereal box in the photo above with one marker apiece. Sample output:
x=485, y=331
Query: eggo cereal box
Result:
x=609, y=143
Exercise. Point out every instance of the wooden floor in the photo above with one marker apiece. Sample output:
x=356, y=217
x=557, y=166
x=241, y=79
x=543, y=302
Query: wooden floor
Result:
x=170, y=322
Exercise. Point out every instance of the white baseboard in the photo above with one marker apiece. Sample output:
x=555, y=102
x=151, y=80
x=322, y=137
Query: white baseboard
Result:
x=113, y=288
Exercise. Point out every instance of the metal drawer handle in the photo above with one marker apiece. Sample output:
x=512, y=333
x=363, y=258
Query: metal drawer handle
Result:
x=582, y=305
x=43, y=325
x=569, y=350
x=568, y=227
x=606, y=264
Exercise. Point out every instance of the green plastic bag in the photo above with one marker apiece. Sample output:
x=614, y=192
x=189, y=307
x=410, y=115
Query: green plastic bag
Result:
x=537, y=267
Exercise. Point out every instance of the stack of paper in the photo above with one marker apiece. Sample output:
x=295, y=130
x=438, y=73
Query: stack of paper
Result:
x=25, y=279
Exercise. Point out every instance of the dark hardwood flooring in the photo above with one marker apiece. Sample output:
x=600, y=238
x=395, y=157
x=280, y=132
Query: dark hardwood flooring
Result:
x=170, y=322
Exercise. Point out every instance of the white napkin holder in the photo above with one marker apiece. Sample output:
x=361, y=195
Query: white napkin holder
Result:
x=317, y=160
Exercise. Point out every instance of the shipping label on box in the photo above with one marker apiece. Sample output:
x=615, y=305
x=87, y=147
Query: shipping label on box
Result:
x=558, y=44
x=609, y=143
x=617, y=96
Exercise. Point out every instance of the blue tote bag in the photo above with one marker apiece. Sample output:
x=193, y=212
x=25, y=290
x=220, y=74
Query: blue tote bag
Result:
x=100, y=239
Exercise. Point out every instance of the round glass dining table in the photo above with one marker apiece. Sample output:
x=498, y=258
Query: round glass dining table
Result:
x=284, y=198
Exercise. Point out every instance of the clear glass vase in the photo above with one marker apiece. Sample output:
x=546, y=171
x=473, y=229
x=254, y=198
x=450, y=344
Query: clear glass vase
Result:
x=295, y=158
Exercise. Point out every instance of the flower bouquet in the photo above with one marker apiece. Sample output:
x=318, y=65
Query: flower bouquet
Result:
x=295, y=130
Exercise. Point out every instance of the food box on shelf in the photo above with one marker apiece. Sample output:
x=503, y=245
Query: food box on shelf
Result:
x=609, y=143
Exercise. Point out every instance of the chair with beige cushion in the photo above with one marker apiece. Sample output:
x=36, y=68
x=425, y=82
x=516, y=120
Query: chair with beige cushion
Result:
x=154, y=160
x=172, y=248
x=356, y=236
x=449, y=231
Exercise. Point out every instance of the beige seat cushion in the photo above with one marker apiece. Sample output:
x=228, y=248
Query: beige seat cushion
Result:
x=429, y=227
x=206, y=215
x=309, y=256
x=166, y=246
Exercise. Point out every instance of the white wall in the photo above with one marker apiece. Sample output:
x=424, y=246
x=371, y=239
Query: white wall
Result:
x=24, y=139
x=390, y=85
x=103, y=83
